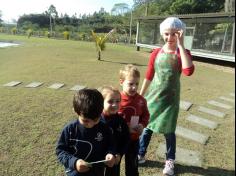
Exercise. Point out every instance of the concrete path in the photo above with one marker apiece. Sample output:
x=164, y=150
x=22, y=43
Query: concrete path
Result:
x=12, y=84
x=191, y=135
x=56, y=86
x=183, y=156
x=34, y=85
x=202, y=121
x=212, y=112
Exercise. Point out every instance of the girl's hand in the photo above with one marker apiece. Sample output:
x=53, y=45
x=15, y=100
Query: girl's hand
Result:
x=81, y=166
x=180, y=38
x=110, y=160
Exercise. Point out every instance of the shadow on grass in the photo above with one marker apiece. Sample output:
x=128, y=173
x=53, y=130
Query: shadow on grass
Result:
x=123, y=63
x=152, y=164
x=182, y=169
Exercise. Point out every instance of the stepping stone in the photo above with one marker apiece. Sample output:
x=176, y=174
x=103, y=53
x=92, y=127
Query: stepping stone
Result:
x=192, y=135
x=218, y=104
x=201, y=121
x=77, y=87
x=56, y=86
x=12, y=83
x=34, y=85
x=183, y=156
x=227, y=99
x=212, y=112
x=184, y=105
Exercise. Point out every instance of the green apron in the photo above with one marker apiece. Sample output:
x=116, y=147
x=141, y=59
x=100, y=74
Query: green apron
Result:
x=163, y=95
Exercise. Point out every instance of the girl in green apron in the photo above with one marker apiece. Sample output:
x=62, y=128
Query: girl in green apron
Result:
x=161, y=88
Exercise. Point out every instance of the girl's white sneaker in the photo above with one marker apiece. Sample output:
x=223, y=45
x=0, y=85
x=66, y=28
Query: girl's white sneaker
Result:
x=169, y=167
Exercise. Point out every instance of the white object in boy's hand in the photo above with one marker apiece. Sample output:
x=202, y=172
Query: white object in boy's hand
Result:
x=95, y=162
x=134, y=121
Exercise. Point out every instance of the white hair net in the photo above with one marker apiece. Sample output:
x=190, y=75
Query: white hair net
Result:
x=172, y=23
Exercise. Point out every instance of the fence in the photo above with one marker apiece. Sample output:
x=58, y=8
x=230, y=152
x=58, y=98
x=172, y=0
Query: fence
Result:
x=209, y=35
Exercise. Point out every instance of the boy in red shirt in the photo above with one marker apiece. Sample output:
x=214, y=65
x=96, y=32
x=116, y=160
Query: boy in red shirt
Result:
x=134, y=108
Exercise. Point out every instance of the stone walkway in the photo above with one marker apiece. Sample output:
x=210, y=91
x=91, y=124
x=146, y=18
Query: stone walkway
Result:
x=36, y=84
x=184, y=156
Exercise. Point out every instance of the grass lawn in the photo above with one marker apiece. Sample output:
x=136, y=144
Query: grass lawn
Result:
x=31, y=119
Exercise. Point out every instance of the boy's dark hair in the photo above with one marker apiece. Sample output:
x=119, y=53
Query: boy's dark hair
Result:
x=88, y=103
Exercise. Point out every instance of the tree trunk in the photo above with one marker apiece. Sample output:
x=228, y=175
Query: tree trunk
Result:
x=147, y=9
x=99, y=55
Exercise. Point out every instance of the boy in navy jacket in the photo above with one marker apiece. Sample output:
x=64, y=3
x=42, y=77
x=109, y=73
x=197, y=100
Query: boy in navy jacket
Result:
x=86, y=139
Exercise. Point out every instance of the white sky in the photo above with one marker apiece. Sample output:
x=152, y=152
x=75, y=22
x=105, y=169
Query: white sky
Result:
x=12, y=9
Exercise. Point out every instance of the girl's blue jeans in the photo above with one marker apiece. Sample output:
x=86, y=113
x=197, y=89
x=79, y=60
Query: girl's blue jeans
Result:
x=145, y=140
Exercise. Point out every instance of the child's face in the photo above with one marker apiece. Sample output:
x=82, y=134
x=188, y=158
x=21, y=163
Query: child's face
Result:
x=111, y=103
x=88, y=123
x=170, y=37
x=130, y=85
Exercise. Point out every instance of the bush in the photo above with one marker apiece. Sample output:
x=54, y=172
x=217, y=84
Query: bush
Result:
x=29, y=32
x=66, y=35
x=82, y=36
x=13, y=31
x=47, y=34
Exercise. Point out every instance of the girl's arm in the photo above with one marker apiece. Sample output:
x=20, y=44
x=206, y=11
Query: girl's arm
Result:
x=150, y=72
x=145, y=86
x=185, y=57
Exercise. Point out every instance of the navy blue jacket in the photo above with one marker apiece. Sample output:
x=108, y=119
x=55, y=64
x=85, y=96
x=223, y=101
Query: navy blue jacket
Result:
x=89, y=144
x=120, y=131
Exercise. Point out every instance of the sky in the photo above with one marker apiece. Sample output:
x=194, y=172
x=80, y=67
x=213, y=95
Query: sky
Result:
x=13, y=9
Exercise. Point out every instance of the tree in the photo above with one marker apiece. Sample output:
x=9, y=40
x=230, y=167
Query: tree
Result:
x=52, y=13
x=65, y=19
x=1, y=18
x=40, y=19
x=100, y=42
x=196, y=6
x=120, y=9
x=146, y=3
x=140, y=2
x=172, y=7
x=181, y=7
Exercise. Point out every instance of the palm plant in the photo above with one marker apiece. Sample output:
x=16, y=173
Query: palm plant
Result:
x=100, y=42
x=29, y=32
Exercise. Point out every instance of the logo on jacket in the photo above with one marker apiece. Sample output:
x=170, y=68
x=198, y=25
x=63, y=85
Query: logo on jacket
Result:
x=99, y=137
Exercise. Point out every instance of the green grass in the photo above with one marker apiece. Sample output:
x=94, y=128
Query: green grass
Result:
x=31, y=119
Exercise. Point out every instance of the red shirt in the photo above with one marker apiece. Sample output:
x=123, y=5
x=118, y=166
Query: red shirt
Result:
x=134, y=106
x=151, y=69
